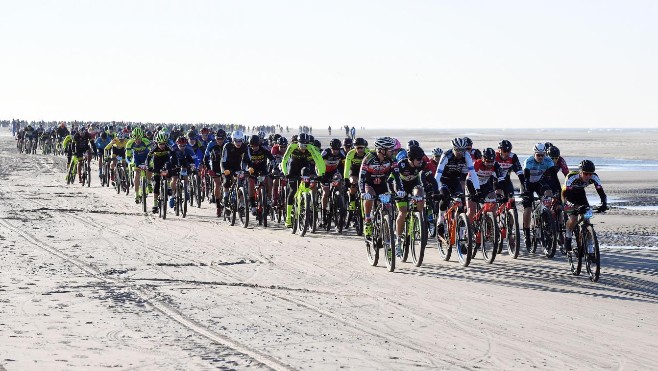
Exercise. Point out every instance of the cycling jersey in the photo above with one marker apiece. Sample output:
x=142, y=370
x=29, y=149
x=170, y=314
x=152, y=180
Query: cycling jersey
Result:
x=488, y=175
x=510, y=163
x=333, y=162
x=213, y=157
x=451, y=168
x=232, y=157
x=137, y=152
x=258, y=159
x=574, y=188
x=374, y=173
x=353, y=162
x=158, y=158
x=406, y=175
x=295, y=159
x=534, y=171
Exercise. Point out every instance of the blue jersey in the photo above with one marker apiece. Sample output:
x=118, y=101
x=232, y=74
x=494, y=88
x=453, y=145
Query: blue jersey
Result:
x=402, y=154
x=537, y=169
x=100, y=143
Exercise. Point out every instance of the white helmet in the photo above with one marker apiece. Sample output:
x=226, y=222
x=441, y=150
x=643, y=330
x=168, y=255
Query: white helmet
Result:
x=237, y=135
x=540, y=148
x=437, y=152
x=384, y=143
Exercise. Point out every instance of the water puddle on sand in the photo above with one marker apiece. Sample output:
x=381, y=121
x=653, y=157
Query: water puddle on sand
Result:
x=642, y=208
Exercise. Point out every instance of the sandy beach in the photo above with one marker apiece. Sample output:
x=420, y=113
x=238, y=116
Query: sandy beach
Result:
x=90, y=282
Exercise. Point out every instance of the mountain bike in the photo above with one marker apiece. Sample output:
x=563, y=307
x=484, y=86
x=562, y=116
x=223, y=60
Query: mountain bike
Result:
x=182, y=193
x=278, y=208
x=302, y=210
x=196, y=188
x=164, y=193
x=415, y=233
x=383, y=235
x=458, y=232
x=355, y=217
x=238, y=200
x=86, y=172
x=336, y=211
x=121, y=182
x=72, y=170
x=587, y=245
x=485, y=227
x=262, y=200
x=543, y=227
x=508, y=224
x=143, y=186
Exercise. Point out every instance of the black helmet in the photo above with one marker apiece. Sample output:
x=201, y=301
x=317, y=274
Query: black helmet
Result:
x=415, y=152
x=469, y=142
x=104, y=135
x=553, y=152
x=411, y=143
x=587, y=165
x=220, y=133
x=477, y=154
x=548, y=145
x=347, y=142
x=283, y=141
x=317, y=143
x=294, y=138
x=360, y=142
x=489, y=154
x=335, y=143
x=311, y=138
x=505, y=145
x=304, y=138
x=254, y=140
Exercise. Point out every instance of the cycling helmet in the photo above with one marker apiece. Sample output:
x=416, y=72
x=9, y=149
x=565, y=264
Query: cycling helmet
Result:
x=397, y=145
x=360, y=142
x=221, y=133
x=553, y=152
x=205, y=131
x=121, y=135
x=587, y=165
x=181, y=140
x=103, y=135
x=489, y=154
x=261, y=135
x=459, y=144
x=476, y=154
x=415, y=153
x=469, y=142
x=304, y=138
x=335, y=143
x=385, y=143
x=82, y=129
x=237, y=135
x=505, y=145
x=412, y=142
x=539, y=148
x=137, y=133
x=311, y=138
x=347, y=142
x=283, y=142
x=294, y=138
x=254, y=140
x=162, y=138
x=191, y=134
x=317, y=143
x=437, y=152
x=548, y=145
x=149, y=134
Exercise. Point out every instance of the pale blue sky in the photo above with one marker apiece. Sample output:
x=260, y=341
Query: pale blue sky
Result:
x=423, y=64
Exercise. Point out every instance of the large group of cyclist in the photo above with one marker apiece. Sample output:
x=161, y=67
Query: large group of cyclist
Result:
x=397, y=197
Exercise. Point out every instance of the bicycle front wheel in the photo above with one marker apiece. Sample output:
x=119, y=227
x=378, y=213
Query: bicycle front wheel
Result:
x=548, y=234
x=512, y=233
x=464, y=240
x=388, y=240
x=592, y=255
x=489, y=237
x=416, y=244
x=575, y=256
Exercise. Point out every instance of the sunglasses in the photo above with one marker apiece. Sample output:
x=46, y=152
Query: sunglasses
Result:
x=360, y=147
x=237, y=141
x=586, y=173
x=539, y=154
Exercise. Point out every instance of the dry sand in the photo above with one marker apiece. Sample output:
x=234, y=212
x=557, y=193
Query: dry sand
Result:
x=89, y=282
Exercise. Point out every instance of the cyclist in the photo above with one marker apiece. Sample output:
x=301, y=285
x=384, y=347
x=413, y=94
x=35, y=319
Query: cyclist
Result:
x=408, y=180
x=352, y=169
x=157, y=160
x=82, y=148
x=449, y=177
x=257, y=160
x=137, y=149
x=509, y=162
x=573, y=193
x=181, y=157
x=334, y=165
x=376, y=167
x=101, y=142
x=490, y=174
x=299, y=155
x=433, y=163
x=277, y=151
x=347, y=145
x=212, y=160
x=232, y=155
x=536, y=171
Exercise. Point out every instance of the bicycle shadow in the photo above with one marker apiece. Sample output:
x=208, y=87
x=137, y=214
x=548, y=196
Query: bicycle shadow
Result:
x=622, y=277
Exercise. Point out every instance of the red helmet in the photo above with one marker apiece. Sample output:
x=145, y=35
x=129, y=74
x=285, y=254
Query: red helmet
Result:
x=181, y=140
x=205, y=131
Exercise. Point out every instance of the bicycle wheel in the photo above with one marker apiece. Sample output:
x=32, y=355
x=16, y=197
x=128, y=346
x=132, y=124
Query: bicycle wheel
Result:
x=591, y=253
x=117, y=179
x=197, y=190
x=561, y=228
x=340, y=212
x=443, y=241
x=144, y=191
x=464, y=240
x=489, y=236
x=88, y=171
x=243, y=209
x=314, y=213
x=233, y=202
x=416, y=238
x=186, y=197
x=126, y=181
x=295, y=215
x=179, y=196
x=357, y=219
x=548, y=240
x=575, y=256
x=264, y=209
x=512, y=233
x=162, y=199
x=388, y=240
x=305, y=213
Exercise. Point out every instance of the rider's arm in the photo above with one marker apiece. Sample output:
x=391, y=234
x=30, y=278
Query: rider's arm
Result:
x=363, y=174
x=286, y=158
x=224, y=157
x=439, y=170
x=319, y=161
x=348, y=163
